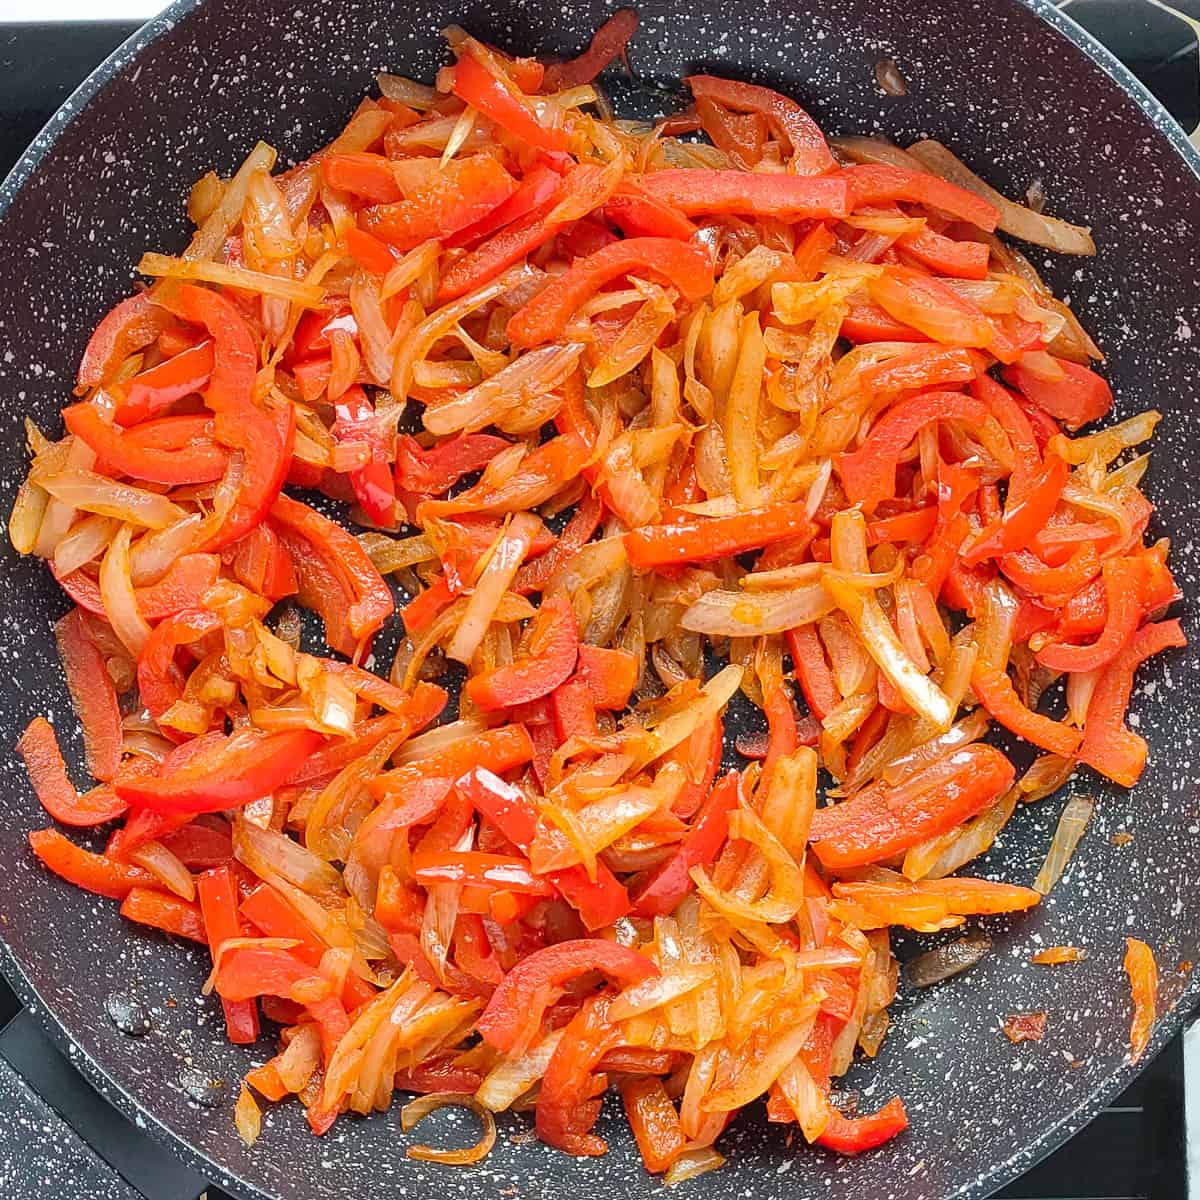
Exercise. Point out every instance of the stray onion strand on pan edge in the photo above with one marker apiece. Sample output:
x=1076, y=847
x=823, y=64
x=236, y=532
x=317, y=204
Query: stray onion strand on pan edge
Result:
x=604, y=399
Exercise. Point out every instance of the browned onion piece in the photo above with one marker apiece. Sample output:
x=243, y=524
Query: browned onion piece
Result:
x=944, y=962
x=876, y=150
x=1071, y=826
x=887, y=75
x=1025, y=1027
x=1015, y=219
x=413, y=1113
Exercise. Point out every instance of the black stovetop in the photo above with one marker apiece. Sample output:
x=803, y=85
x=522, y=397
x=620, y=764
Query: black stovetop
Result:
x=61, y=1134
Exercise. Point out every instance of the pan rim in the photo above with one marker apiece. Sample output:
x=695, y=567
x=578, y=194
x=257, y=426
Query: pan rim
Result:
x=985, y=1184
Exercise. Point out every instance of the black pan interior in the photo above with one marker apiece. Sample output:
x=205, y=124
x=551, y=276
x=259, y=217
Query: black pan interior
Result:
x=1011, y=94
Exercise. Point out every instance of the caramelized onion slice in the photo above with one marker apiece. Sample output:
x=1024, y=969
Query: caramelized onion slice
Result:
x=413, y=1113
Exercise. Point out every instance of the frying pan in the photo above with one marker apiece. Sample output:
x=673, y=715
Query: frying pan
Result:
x=1017, y=90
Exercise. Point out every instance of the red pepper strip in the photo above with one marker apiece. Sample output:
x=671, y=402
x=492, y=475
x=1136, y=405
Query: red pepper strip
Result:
x=38, y=748
x=1080, y=397
x=473, y=951
x=129, y=327
x=881, y=821
x=218, y=905
x=160, y=682
x=93, y=697
x=499, y=749
x=196, y=458
x=431, y=472
x=946, y=256
x=312, y=378
x=638, y=214
x=997, y=694
x=609, y=675
x=1087, y=611
x=782, y=737
x=683, y=265
x=1027, y=453
x=915, y=526
x=700, y=757
x=374, y=487
x=866, y=322
x=741, y=136
x=186, y=580
x=240, y=768
x=367, y=175
x=362, y=590
x=199, y=847
x=165, y=912
x=813, y=672
x=183, y=374
x=514, y=1014
x=92, y=872
x=923, y=367
x=869, y=473
x=878, y=183
x=599, y=902
x=369, y=252
x=534, y=576
x=693, y=540
x=810, y=152
x=1029, y=572
x=569, y=1102
x=553, y=650
x=1108, y=746
x=471, y=867
x=608, y=43
x=854, y=1135
x=273, y=916
x=261, y=562
x=574, y=711
x=869, y=732
x=792, y=197
x=931, y=306
x=263, y=439
x=668, y=883
x=439, y=1076
x=475, y=85
x=1022, y=521
x=537, y=186
x=655, y=1122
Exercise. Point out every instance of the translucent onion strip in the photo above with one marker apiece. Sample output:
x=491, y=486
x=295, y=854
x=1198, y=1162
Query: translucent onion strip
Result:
x=413, y=1113
x=1071, y=827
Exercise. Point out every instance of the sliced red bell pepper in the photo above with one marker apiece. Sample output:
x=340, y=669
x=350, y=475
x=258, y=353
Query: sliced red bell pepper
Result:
x=570, y=1100
x=170, y=450
x=574, y=710
x=867, y=322
x=538, y=185
x=813, y=672
x=1022, y=520
x=608, y=43
x=700, y=540
x=261, y=563
x=513, y=1016
x=147, y=394
x=1079, y=397
x=92, y=872
x=810, y=152
x=474, y=84
x=880, y=183
x=166, y=912
x=38, y=748
x=684, y=266
x=361, y=599
x=1029, y=572
x=1123, y=590
x=553, y=650
x=160, y=682
x=668, y=883
x=654, y=1121
x=869, y=473
x=790, y=197
x=199, y=847
x=880, y=821
x=439, y=1076
x=914, y=526
x=496, y=750
x=374, y=486
x=933, y=307
x=439, y=200
x=367, y=175
x=534, y=576
x=369, y=252
x=129, y=327
x=946, y=256
x=93, y=696
x=741, y=136
x=263, y=440
x=923, y=367
x=431, y=472
x=638, y=214
x=609, y=675
x=273, y=916
x=846, y=1135
x=997, y=694
x=312, y=378
x=243, y=766
x=217, y=893
x=1108, y=745
x=1027, y=453
x=186, y=581
x=600, y=902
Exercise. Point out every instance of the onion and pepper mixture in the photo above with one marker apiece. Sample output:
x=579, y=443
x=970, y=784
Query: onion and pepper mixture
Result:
x=631, y=422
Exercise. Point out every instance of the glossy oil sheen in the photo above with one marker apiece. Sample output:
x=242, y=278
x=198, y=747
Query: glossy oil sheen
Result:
x=1013, y=95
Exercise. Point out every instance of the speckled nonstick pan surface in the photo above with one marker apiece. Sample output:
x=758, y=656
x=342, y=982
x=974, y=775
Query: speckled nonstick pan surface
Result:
x=1011, y=88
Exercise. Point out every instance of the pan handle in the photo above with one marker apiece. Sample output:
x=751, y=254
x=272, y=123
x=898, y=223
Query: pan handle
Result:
x=59, y=1137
